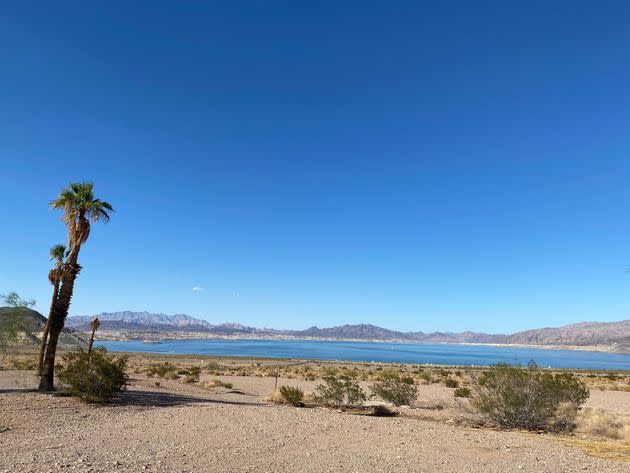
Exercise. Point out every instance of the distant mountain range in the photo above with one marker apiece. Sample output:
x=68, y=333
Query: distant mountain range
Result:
x=612, y=336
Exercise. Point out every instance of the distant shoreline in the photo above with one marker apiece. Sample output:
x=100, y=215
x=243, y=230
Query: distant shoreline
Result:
x=153, y=338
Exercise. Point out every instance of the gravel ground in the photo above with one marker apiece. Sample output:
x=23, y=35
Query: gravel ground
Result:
x=183, y=428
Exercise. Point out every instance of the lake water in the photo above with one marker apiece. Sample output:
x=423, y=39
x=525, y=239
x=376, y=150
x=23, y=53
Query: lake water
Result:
x=420, y=353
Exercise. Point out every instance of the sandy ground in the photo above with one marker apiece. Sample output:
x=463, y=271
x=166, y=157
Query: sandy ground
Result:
x=184, y=428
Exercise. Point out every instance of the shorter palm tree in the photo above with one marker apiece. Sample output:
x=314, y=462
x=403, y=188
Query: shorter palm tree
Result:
x=95, y=324
x=57, y=254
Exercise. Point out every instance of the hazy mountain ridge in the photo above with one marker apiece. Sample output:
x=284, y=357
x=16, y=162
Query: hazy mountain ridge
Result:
x=138, y=325
x=129, y=321
x=140, y=318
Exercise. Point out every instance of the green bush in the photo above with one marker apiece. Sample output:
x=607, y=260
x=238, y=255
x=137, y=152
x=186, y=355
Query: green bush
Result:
x=214, y=366
x=162, y=370
x=516, y=397
x=339, y=392
x=451, y=383
x=191, y=375
x=97, y=379
x=294, y=396
x=400, y=391
x=462, y=392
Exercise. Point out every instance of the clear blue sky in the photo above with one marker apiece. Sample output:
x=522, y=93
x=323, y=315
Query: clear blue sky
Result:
x=416, y=165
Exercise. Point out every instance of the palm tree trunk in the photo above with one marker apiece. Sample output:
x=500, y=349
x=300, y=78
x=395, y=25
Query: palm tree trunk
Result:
x=47, y=375
x=46, y=381
x=95, y=323
x=44, y=340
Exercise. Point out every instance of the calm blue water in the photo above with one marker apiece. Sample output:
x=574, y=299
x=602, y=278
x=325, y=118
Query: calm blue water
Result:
x=442, y=354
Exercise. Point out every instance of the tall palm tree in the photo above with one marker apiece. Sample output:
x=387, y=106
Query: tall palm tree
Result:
x=57, y=253
x=80, y=209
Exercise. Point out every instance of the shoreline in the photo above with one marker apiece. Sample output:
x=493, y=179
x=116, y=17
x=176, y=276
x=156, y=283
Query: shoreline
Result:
x=612, y=349
x=288, y=361
x=289, y=358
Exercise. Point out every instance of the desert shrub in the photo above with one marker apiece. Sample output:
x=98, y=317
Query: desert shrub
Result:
x=24, y=364
x=328, y=371
x=512, y=396
x=98, y=378
x=213, y=366
x=462, y=392
x=161, y=370
x=191, y=375
x=425, y=377
x=292, y=395
x=352, y=373
x=339, y=392
x=451, y=383
x=213, y=383
x=382, y=411
x=400, y=391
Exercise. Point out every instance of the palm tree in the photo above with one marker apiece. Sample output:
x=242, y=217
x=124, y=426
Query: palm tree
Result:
x=95, y=324
x=80, y=209
x=57, y=253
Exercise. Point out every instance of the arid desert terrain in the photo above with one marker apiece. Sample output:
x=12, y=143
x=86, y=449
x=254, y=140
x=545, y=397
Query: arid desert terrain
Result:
x=225, y=421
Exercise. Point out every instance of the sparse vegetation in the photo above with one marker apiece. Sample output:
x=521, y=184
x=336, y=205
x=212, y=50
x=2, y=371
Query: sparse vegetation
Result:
x=339, y=392
x=400, y=391
x=97, y=378
x=16, y=328
x=162, y=370
x=451, y=383
x=604, y=424
x=462, y=392
x=426, y=377
x=214, y=383
x=292, y=395
x=517, y=397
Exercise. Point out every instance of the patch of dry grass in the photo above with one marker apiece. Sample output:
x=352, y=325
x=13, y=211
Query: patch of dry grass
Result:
x=276, y=397
x=214, y=383
x=602, y=434
x=601, y=423
x=612, y=450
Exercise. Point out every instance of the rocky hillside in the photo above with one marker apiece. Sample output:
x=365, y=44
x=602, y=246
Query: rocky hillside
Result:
x=615, y=334
x=34, y=323
x=361, y=332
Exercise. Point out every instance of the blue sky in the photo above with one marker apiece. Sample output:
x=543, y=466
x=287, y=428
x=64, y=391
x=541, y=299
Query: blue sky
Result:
x=416, y=165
